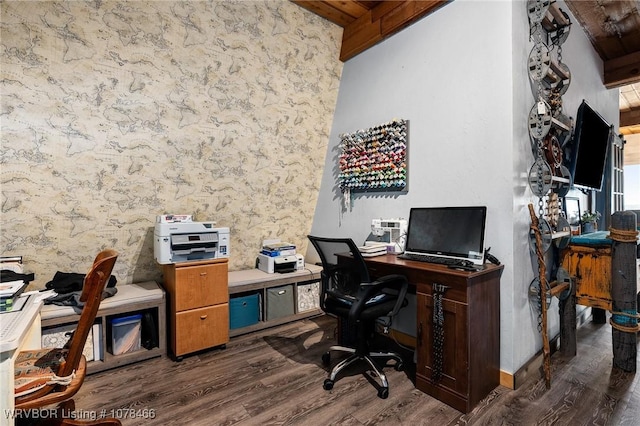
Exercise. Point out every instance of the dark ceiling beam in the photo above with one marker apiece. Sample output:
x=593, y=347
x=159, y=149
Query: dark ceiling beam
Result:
x=630, y=118
x=622, y=70
x=341, y=13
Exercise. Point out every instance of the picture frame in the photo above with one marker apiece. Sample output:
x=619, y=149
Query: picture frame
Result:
x=572, y=210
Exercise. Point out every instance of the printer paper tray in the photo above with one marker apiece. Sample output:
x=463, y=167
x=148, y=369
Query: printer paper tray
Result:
x=188, y=251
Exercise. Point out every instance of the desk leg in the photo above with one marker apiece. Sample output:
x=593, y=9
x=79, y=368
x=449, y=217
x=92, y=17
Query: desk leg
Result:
x=599, y=316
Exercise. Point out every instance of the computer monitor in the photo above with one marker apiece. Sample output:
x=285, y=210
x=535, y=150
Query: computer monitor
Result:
x=456, y=232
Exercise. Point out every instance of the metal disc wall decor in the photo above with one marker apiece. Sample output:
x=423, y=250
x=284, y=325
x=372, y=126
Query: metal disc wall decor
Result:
x=537, y=9
x=563, y=85
x=549, y=79
x=534, y=294
x=560, y=34
x=562, y=187
x=545, y=234
x=563, y=226
x=557, y=81
x=564, y=126
x=552, y=151
x=539, y=120
x=540, y=178
x=563, y=276
x=539, y=62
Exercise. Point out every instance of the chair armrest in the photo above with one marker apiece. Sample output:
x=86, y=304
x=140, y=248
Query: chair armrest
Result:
x=400, y=280
x=394, y=282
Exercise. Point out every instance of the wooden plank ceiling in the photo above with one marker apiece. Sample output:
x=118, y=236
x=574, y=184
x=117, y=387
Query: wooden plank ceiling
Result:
x=613, y=27
x=367, y=23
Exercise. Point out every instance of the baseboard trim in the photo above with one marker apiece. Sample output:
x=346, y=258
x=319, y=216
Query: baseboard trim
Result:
x=507, y=379
x=533, y=367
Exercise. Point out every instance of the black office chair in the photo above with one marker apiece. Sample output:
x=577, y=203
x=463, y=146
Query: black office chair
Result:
x=348, y=293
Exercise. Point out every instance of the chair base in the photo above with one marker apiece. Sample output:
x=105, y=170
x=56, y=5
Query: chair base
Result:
x=383, y=387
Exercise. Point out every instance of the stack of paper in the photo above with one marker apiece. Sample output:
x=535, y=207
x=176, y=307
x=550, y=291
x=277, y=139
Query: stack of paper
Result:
x=275, y=248
x=373, y=249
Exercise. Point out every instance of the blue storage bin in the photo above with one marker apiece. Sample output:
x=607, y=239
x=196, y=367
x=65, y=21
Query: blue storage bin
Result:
x=244, y=311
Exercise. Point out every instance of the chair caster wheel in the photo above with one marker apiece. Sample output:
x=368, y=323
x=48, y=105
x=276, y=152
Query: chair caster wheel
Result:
x=326, y=358
x=383, y=393
x=399, y=366
x=328, y=384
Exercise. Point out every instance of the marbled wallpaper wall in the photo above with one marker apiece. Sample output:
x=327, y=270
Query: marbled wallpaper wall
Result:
x=114, y=112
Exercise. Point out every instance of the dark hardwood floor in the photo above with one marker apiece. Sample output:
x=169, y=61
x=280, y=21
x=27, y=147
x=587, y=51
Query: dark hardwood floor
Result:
x=275, y=377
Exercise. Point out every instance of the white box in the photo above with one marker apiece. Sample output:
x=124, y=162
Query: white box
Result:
x=57, y=337
x=308, y=296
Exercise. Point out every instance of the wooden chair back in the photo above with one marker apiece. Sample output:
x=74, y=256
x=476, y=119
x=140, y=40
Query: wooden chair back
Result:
x=94, y=284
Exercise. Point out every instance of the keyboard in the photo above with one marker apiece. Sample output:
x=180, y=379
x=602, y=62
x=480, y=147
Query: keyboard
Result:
x=435, y=259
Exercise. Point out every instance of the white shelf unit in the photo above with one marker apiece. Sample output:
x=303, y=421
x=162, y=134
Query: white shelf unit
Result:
x=130, y=299
x=253, y=281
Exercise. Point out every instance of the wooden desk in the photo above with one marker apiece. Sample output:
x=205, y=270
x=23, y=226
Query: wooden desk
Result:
x=24, y=335
x=471, y=347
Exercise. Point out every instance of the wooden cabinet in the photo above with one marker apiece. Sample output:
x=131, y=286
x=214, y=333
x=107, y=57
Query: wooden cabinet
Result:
x=590, y=268
x=198, y=305
x=470, y=318
x=455, y=363
x=470, y=348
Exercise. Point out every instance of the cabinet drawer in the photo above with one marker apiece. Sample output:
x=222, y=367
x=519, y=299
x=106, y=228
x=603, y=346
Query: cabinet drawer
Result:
x=202, y=285
x=201, y=328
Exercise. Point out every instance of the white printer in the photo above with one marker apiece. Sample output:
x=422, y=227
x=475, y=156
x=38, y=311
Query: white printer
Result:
x=280, y=264
x=178, y=239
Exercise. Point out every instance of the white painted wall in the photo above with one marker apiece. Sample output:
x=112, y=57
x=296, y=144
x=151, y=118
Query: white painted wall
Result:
x=459, y=76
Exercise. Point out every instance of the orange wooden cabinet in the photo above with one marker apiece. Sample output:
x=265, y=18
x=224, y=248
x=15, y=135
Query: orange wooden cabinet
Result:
x=591, y=269
x=198, y=310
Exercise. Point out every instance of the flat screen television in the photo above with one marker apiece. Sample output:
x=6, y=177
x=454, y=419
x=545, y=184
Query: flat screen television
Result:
x=591, y=141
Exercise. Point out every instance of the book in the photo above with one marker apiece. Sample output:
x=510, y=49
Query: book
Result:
x=11, y=289
x=12, y=304
x=97, y=342
x=276, y=253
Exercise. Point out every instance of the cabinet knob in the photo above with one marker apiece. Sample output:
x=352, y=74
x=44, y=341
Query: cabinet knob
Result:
x=203, y=317
x=202, y=274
